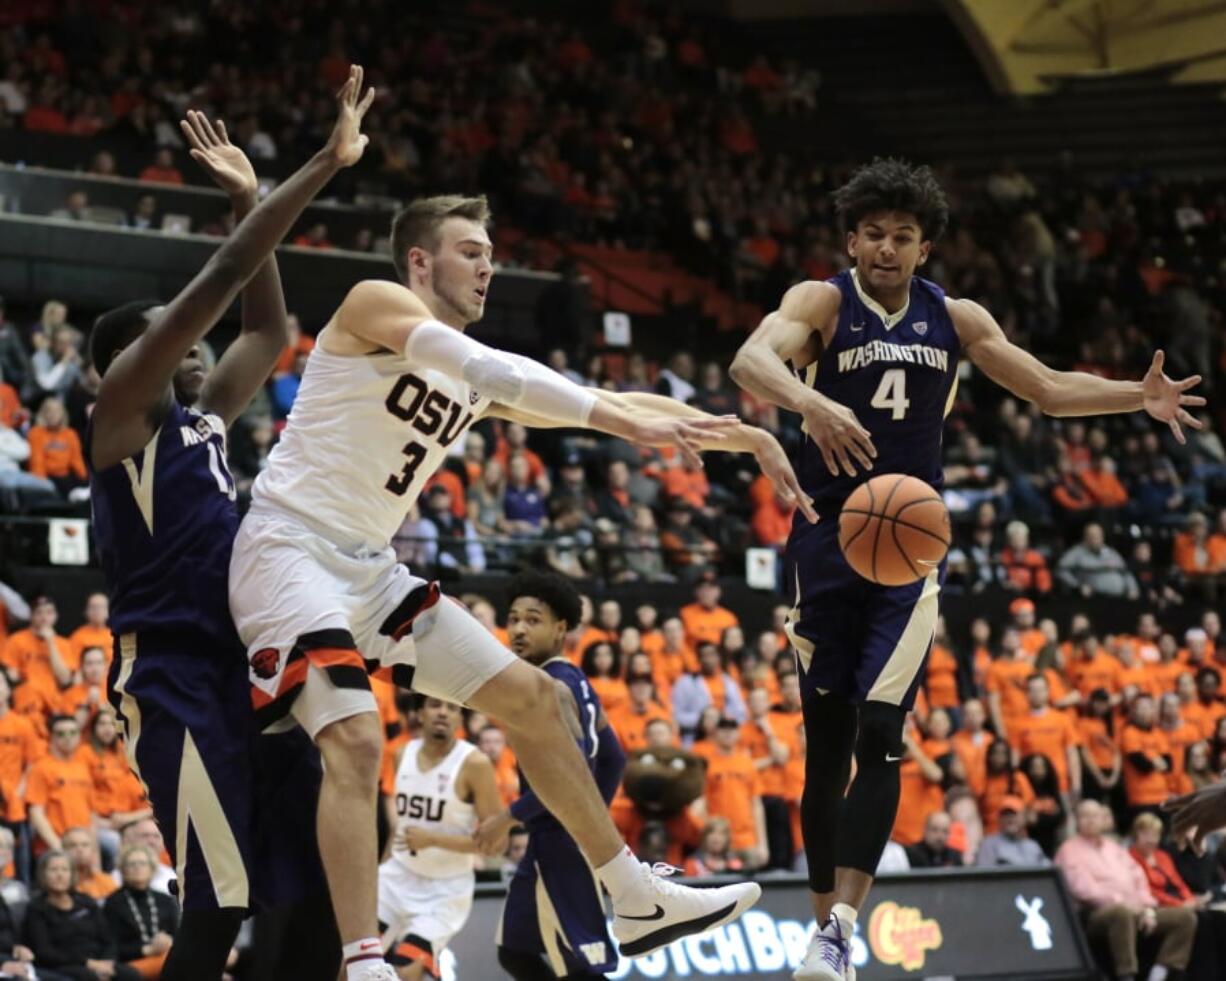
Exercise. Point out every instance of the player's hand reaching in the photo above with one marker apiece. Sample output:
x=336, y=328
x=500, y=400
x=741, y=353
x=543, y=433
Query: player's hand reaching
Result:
x=1198, y=814
x=225, y=163
x=687, y=435
x=491, y=834
x=347, y=142
x=775, y=465
x=1165, y=398
x=839, y=435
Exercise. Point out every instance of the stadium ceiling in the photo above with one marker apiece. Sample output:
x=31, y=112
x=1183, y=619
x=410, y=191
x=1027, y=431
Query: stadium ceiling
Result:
x=1025, y=46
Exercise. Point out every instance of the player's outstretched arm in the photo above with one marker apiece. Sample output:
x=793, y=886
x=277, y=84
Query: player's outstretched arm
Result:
x=1197, y=815
x=245, y=366
x=1070, y=393
x=761, y=368
x=134, y=391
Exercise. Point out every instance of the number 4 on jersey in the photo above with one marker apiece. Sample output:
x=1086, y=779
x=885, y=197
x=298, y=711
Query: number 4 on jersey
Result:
x=892, y=394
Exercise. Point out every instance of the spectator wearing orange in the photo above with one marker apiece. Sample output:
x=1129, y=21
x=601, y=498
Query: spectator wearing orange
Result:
x=1023, y=569
x=1029, y=637
x=772, y=522
x=1201, y=557
x=12, y=413
x=705, y=620
x=1206, y=708
x=515, y=443
x=1134, y=676
x=941, y=673
x=492, y=741
x=59, y=788
x=683, y=481
x=714, y=855
x=94, y=632
x=1093, y=668
x=971, y=743
x=1006, y=683
x=38, y=655
x=674, y=657
x=1165, y=672
x=770, y=740
x=734, y=791
x=296, y=342
x=584, y=634
x=82, y=851
x=1101, y=760
x=1166, y=885
x=641, y=708
x=1179, y=735
x=1102, y=484
x=601, y=663
x=1049, y=732
x=87, y=696
x=1002, y=780
x=1147, y=758
x=920, y=792
x=163, y=169
x=20, y=748
x=55, y=448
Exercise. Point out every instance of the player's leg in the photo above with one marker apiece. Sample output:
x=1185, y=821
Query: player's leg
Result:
x=189, y=747
x=424, y=915
x=457, y=659
x=899, y=627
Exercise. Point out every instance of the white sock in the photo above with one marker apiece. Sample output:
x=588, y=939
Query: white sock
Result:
x=846, y=915
x=620, y=873
x=1158, y=973
x=361, y=953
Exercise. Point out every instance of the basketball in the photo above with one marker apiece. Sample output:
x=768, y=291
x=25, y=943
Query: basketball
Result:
x=894, y=529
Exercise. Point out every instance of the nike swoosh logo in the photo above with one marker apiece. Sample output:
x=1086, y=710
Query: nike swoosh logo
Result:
x=373, y=945
x=657, y=915
x=892, y=759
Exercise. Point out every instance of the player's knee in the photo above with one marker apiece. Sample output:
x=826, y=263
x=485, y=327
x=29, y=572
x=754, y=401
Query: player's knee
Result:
x=531, y=700
x=352, y=748
x=879, y=741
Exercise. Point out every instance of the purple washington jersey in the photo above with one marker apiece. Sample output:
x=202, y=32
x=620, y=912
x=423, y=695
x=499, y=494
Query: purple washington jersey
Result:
x=897, y=373
x=164, y=522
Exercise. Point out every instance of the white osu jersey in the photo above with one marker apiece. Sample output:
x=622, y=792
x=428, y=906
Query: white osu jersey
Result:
x=363, y=437
x=428, y=800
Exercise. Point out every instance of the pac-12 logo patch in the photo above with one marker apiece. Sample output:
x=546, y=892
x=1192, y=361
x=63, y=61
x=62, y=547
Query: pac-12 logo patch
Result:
x=920, y=327
x=264, y=663
x=474, y=398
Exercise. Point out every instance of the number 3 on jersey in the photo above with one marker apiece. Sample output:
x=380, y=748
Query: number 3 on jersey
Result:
x=891, y=394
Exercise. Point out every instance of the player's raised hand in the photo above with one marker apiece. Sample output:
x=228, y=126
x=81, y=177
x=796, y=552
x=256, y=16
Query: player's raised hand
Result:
x=778, y=469
x=347, y=142
x=225, y=163
x=1165, y=398
x=1198, y=814
x=839, y=435
x=687, y=435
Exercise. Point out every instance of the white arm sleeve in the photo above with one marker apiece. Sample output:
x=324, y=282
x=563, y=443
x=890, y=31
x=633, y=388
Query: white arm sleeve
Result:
x=507, y=378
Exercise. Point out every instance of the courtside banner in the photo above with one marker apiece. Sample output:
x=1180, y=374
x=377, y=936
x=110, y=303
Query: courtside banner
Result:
x=940, y=924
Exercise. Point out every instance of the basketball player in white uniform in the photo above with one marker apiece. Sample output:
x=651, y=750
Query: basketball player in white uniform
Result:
x=444, y=787
x=392, y=382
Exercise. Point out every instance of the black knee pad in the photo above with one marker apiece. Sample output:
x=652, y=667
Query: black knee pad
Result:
x=879, y=741
x=523, y=966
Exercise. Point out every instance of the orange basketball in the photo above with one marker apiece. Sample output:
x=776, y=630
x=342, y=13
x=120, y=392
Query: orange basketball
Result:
x=894, y=529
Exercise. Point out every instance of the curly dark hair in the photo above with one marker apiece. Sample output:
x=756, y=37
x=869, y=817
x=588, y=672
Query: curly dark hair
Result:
x=556, y=593
x=890, y=184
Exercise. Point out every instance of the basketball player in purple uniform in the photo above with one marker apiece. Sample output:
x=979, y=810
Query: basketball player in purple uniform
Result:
x=164, y=519
x=869, y=360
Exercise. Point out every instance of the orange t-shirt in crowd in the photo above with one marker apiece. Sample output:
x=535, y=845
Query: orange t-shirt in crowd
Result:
x=19, y=748
x=536, y=466
x=454, y=486
x=715, y=688
x=591, y=635
x=1179, y=739
x=506, y=776
x=1144, y=788
x=86, y=636
x=1139, y=677
x=161, y=175
x=671, y=665
x=782, y=726
x=1097, y=741
x=385, y=700
x=1204, y=716
x=631, y=726
x=732, y=785
x=1031, y=641
x=995, y=788
x=36, y=704
x=1049, y=732
x=97, y=886
x=56, y=452
x=289, y=354
x=10, y=406
x=29, y=657
x=128, y=795
x=1164, y=677
x=106, y=770
x=611, y=692
x=1212, y=558
x=942, y=678
x=65, y=790
x=77, y=696
x=918, y=797
x=973, y=750
x=387, y=768
x=1007, y=678
x=1101, y=671
x=689, y=485
x=703, y=626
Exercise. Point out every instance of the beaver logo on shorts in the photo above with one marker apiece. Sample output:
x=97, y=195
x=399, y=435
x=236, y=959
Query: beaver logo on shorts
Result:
x=264, y=663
